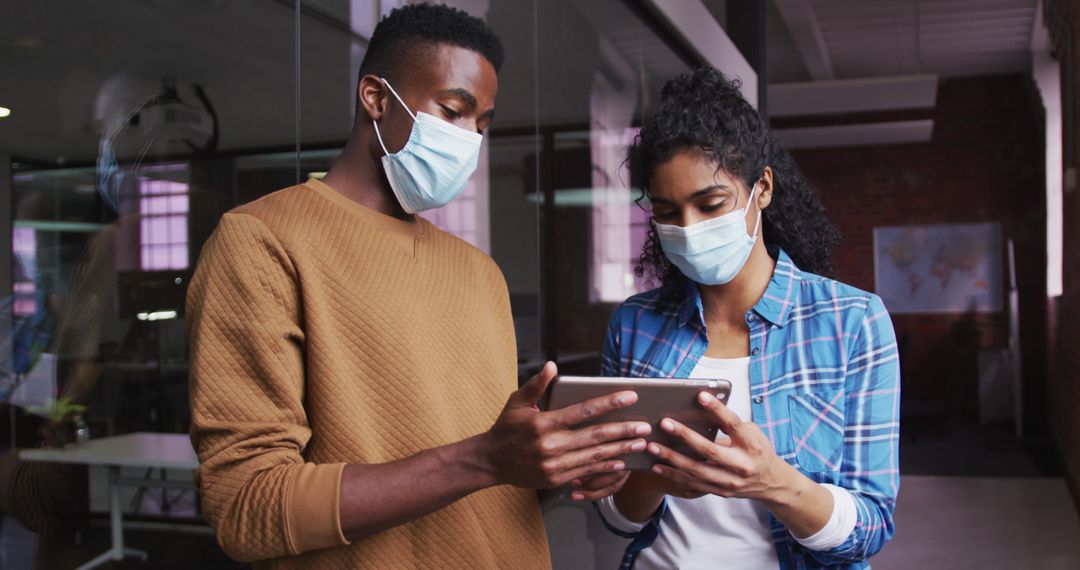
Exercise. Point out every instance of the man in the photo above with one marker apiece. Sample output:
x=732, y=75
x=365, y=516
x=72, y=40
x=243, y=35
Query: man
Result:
x=351, y=362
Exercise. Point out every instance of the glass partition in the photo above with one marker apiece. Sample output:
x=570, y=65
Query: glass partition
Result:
x=133, y=125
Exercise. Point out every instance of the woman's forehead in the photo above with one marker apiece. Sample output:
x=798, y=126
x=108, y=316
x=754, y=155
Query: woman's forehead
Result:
x=687, y=173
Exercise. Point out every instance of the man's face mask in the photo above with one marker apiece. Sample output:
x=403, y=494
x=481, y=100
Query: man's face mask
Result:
x=435, y=163
x=110, y=174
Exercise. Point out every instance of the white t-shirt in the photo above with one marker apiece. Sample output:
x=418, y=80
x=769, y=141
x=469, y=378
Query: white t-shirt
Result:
x=713, y=532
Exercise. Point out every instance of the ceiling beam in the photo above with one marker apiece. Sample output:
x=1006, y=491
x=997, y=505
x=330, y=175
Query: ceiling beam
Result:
x=867, y=134
x=803, y=25
x=692, y=22
x=852, y=95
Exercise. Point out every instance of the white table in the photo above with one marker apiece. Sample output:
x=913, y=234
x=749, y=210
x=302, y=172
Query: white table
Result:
x=142, y=450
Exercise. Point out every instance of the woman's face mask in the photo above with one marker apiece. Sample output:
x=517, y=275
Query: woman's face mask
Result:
x=435, y=163
x=711, y=252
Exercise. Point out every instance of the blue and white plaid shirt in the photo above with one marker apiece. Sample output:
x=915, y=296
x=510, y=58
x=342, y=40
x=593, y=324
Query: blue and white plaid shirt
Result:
x=825, y=389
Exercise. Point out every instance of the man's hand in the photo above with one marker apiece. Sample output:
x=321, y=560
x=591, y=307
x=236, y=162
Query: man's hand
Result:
x=540, y=450
x=651, y=482
x=596, y=487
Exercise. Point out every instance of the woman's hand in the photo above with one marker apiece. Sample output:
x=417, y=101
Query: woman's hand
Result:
x=743, y=465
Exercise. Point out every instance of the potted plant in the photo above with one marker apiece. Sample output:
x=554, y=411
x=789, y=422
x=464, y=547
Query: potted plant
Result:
x=64, y=423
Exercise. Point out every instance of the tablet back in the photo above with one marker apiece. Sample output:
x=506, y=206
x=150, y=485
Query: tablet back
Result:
x=658, y=398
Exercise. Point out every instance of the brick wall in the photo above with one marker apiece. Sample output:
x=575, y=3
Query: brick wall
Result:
x=983, y=164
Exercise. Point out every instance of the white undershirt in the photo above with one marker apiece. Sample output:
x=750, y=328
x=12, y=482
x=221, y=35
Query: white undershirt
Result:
x=714, y=532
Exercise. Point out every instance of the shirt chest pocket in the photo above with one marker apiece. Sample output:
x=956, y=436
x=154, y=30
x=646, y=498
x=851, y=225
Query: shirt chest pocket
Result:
x=817, y=430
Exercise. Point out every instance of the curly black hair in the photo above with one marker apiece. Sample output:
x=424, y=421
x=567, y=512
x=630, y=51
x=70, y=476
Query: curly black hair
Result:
x=704, y=111
x=406, y=30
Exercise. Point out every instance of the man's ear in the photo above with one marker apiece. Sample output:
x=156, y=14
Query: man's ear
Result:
x=371, y=93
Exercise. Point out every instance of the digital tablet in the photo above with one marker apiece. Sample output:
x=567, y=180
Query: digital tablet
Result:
x=658, y=398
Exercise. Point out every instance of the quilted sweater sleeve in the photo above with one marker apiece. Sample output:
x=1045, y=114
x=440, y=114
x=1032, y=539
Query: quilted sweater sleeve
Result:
x=249, y=425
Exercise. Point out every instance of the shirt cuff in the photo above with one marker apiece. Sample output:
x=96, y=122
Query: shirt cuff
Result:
x=840, y=525
x=615, y=518
x=314, y=501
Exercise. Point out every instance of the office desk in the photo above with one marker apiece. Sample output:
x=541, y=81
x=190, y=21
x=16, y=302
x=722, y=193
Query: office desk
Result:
x=143, y=450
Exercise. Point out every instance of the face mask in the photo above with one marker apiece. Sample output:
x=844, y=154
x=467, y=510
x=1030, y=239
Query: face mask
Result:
x=434, y=165
x=714, y=251
x=109, y=174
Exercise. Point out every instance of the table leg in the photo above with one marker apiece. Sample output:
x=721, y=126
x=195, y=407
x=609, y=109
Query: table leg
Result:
x=116, y=515
x=116, y=524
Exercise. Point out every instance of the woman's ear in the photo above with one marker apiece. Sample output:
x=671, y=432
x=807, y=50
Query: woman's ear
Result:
x=371, y=93
x=764, y=198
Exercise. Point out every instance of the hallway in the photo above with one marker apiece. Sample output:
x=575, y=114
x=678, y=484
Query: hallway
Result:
x=983, y=523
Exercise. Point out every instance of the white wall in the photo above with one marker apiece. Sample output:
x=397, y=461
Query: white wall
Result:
x=1047, y=75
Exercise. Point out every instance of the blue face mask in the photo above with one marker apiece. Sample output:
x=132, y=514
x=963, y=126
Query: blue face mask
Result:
x=435, y=163
x=714, y=251
x=110, y=177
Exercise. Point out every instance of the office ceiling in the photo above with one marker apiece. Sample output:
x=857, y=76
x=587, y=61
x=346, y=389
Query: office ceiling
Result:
x=877, y=38
x=56, y=58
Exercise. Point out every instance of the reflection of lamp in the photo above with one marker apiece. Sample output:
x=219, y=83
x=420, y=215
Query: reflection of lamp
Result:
x=151, y=296
x=584, y=197
x=156, y=316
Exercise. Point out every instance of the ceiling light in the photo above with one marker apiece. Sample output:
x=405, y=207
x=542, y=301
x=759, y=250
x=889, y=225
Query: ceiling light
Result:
x=4, y=112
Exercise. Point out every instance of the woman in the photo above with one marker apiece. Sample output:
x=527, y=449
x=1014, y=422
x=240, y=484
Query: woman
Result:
x=806, y=473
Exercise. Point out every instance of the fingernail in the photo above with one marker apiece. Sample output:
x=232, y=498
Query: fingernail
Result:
x=655, y=449
x=576, y=482
x=642, y=429
x=668, y=424
x=705, y=397
x=577, y=496
x=638, y=446
x=618, y=466
x=627, y=399
x=657, y=469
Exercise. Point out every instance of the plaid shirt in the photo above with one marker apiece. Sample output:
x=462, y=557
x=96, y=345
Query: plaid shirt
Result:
x=825, y=389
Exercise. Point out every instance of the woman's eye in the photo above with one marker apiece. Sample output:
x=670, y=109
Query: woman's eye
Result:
x=714, y=207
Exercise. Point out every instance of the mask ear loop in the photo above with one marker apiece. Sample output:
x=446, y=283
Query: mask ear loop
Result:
x=398, y=97
x=378, y=135
x=757, y=224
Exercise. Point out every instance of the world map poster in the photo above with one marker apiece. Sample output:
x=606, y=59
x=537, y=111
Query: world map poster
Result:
x=952, y=268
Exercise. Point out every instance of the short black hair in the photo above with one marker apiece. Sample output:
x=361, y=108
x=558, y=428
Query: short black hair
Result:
x=425, y=25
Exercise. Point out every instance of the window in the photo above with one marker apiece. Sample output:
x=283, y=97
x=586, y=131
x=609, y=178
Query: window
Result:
x=24, y=245
x=163, y=231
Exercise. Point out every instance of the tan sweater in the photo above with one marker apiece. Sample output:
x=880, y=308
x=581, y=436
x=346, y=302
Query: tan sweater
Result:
x=325, y=333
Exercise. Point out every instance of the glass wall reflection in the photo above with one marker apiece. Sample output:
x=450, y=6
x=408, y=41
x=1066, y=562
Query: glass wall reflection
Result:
x=135, y=124
x=130, y=123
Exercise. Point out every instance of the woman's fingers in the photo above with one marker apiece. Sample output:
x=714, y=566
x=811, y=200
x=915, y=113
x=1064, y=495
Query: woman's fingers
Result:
x=729, y=420
x=684, y=485
x=719, y=452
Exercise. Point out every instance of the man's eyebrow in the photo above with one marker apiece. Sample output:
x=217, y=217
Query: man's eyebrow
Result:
x=463, y=94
